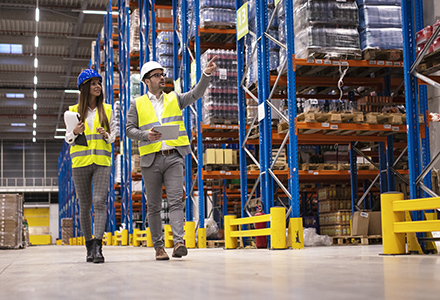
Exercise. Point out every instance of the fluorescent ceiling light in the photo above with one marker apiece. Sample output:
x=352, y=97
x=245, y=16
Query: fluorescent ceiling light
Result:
x=34, y=125
x=34, y=133
x=34, y=139
x=18, y=124
x=59, y=137
x=14, y=95
x=61, y=129
x=35, y=62
x=36, y=41
x=35, y=80
x=35, y=94
x=34, y=116
x=35, y=106
x=71, y=91
x=98, y=12
x=37, y=14
x=11, y=48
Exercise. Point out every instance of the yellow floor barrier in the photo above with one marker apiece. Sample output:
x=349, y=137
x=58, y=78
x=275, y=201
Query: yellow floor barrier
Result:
x=107, y=239
x=394, y=225
x=276, y=231
x=120, y=238
x=189, y=237
x=142, y=235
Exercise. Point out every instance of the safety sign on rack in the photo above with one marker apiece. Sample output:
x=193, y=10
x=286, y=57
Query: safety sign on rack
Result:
x=242, y=21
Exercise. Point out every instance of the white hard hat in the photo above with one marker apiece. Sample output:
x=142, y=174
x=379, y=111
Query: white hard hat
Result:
x=149, y=66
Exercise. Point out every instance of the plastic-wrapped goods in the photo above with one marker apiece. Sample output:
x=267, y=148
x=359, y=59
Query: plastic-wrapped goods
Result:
x=117, y=115
x=378, y=2
x=312, y=239
x=118, y=168
x=274, y=60
x=218, y=3
x=333, y=41
x=282, y=32
x=252, y=73
x=380, y=17
x=319, y=12
x=165, y=37
x=169, y=72
x=134, y=32
x=281, y=11
x=211, y=17
x=381, y=38
x=135, y=85
x=252, y=12
x=220, y=102
x=165, y=49
x=272, y=45
x=166, y=61
x=270, y=11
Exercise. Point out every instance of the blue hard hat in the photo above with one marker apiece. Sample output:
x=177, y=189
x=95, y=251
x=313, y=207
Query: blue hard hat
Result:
x=86, y=75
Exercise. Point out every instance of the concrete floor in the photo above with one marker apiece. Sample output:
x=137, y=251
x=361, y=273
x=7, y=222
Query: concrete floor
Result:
x=338, y=272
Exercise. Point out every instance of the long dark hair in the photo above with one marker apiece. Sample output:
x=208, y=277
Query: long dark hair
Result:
x=84, y=103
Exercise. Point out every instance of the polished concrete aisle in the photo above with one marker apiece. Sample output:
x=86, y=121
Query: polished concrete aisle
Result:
x=343, y=272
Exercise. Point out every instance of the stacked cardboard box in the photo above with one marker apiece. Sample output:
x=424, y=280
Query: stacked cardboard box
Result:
x=11, y=221
x=66, y=230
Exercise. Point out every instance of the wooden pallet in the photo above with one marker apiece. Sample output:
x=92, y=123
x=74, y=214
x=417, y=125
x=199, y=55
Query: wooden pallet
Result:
x=318, y=167
x=382, y=54
x=430, y=63
x=213, y=121
x=384, y=118
x=316, y=54
x=215, y=243
x=282, y=128
x=218, y=167
x=357, y=240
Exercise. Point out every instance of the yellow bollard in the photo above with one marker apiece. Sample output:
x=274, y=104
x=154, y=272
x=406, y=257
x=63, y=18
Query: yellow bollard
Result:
x=83, y=240
x=201, y=238
x=136, y=242
x=70, y=241
x=230, y=242
x=393, y=243
x=168, y=236
x=149, y=239
x=115, y=239
x=59, y=242
x=130, y=239
x=190, y=234
x=108, y=238
x=295, y=233
x=124, y=241
x=278, y=228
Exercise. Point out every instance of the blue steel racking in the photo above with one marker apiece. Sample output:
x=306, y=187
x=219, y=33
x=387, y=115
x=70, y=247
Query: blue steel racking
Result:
x=124, y=97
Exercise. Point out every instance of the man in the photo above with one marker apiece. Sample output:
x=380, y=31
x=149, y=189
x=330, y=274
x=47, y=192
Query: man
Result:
x=162, y=162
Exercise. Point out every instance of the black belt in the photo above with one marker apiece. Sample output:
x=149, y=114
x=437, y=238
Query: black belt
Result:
x=168, y=152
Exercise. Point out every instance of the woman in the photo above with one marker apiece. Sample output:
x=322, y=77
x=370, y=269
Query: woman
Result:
x=91, y=163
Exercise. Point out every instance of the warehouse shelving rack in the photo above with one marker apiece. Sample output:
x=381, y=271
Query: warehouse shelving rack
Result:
x=267, y=138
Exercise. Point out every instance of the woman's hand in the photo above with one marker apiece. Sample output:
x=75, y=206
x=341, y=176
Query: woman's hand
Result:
x=80, y=127
x=211, y=67
x=102, y=132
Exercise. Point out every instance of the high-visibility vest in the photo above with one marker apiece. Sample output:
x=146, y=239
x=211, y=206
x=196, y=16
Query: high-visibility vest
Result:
x=147, y=119
x=97, y=150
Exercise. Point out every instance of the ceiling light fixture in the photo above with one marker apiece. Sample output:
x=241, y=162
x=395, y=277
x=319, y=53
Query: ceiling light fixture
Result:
x=34, y=125
x=96, y=12
x=35, y=62
x=61, y=129
x=34, y=116
x=59, y=137
x=34, y=139
x=35, y=106
x=35, y=79
x=37, y=14
x=35, y=95
x=36, y=41
x=34, y=133
x=18, y=124
x=71, y=91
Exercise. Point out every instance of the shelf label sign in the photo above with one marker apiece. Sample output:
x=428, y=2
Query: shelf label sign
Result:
x=261, y=112
x=177, y=86
x=242, y=21
x=193, y=74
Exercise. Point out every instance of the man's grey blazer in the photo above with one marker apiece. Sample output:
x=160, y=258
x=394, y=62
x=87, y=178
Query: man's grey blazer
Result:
x=185, y=99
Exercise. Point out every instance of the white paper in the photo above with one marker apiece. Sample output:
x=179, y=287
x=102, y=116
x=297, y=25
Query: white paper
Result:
x=71, y=119
x=261, y=112
x=169, y=132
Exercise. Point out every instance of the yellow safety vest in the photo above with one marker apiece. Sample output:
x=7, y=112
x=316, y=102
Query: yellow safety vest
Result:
x=147, y=119
x=97, y=150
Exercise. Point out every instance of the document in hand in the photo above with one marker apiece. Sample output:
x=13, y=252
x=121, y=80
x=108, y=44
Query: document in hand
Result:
x=71, y=119
x=169, y=132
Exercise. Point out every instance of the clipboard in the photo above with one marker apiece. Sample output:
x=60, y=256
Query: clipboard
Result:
x=169, y=132
x=71, y=119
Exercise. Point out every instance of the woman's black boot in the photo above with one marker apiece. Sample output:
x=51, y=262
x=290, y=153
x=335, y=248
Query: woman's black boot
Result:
x=89, y=246
x=97, y=251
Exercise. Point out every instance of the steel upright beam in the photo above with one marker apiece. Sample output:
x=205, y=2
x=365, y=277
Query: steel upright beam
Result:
x=412, y=109
x=186, y=85
x=382, y=168
x=153, y=31
x=294, y=201
x=390, y=161
x=265, y=135
x=241, y=120
x=353, y=177
x=199, y=118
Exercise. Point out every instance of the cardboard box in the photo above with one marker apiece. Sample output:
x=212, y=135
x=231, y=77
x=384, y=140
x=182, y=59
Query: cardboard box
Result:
x=375, y=223
x=209, y=157
x=235, y=157
x=219, y=156
x=227, y=157
x=360, y=223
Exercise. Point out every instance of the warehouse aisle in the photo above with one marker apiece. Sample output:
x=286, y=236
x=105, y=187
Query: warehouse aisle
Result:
x=344, y=272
